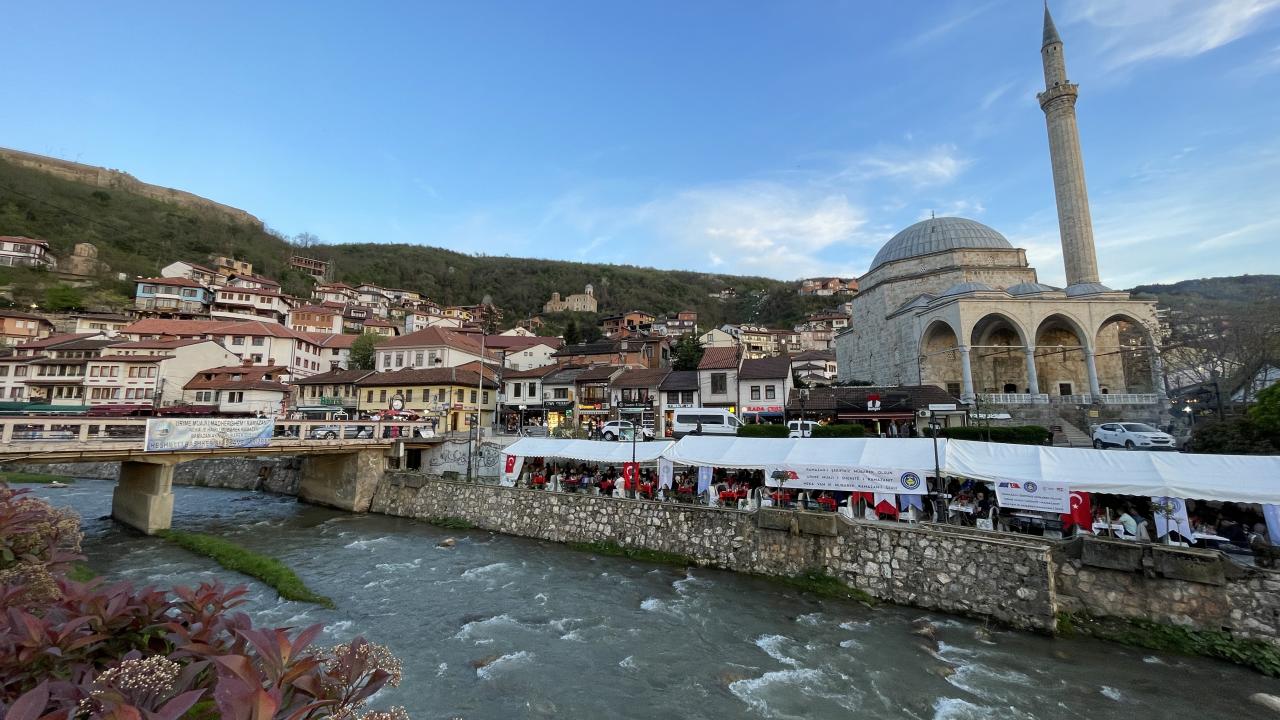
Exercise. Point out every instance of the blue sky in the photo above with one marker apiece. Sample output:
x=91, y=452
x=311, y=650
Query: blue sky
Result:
x=780, y=139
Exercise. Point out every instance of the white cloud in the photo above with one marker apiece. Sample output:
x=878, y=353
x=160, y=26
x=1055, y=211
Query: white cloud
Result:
x=1138, y=32
x=947, y=26
x=936, y=166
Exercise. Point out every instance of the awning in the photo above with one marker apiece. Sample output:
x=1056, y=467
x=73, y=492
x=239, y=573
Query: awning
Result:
x=736, y=452
x=599, y=451
x=1236, y=478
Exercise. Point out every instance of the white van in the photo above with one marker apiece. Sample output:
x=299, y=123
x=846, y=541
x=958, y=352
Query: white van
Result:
x=714, y=421
x=801, y=428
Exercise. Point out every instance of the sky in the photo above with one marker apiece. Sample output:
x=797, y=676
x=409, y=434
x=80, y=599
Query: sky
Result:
x=778, y=139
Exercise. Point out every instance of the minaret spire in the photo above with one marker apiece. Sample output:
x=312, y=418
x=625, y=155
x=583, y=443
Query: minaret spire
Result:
x=1058, y=101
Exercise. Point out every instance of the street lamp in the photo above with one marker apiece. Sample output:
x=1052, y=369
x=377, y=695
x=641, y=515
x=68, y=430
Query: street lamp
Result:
x=804, y=427
x=1191, y=416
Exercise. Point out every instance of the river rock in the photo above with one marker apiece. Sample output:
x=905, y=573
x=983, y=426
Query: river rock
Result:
x=983, y=635
x=484, y=661
x=1271, y=702
x=925, y=630
x=729, y=677
x=447, y=543
x=942, y=671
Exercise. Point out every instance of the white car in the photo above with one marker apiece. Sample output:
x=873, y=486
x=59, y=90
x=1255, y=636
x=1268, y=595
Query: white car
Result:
x=615, y=429
x=801, y=428
x=1132, y=436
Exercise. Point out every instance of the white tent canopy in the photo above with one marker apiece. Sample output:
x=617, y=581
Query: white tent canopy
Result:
x=598, y=451
x=873, y=453
x=1236, y=478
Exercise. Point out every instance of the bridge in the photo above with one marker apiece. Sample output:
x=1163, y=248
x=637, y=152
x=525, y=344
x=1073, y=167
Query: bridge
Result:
x=342, y=461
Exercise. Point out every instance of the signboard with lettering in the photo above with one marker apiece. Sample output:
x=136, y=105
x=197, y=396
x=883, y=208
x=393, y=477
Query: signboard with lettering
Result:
x=847, y=478
x=1032, y=495
x=173, y=434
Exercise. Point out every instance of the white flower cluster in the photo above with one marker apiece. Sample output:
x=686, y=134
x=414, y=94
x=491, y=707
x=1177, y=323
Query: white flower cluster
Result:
x=155, y=674
x=376, y=656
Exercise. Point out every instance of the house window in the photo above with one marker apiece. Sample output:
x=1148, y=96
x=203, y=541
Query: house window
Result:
x=369, y=398
x=719, y=383
x=770, y=392
x=382, y=396
x=561, y=393
x=461, y=396
x=485, y=397
x=408, y=395
x=235, y=396
x=515, y=390
x=953, y=389
x=533, y=389
x=473, y=397
x=755, y=392
x=399, y=359
x=257, y=342
x=237, y=341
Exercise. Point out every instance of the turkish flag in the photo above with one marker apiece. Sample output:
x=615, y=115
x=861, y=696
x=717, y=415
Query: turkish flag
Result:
x=511, y=464
x=1081, y=512
x=629, y=473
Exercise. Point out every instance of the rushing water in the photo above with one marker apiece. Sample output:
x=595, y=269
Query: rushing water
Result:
x=502, y=627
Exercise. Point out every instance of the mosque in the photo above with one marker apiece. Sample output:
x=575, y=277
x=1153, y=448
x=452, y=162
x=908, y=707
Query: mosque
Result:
x=951, y=302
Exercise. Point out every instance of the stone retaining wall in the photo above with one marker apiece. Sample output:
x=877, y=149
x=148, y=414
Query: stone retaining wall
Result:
x=277, y=475
x=995, y=577
x=1020, y=581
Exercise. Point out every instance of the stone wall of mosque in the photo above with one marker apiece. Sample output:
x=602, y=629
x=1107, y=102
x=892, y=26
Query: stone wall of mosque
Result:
x=1008, y=579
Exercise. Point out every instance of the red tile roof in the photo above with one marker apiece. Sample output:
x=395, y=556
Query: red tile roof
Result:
x=425, y=376
x=719, y=358
x=200, y=328
x=251, y=377
x=56, y=339
x=159, y=344
x=18, y=239
x=176, y=282
x=435, y=337
x=332, y=340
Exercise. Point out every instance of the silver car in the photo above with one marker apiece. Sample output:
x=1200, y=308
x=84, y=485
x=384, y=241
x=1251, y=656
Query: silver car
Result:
x=1132, y=436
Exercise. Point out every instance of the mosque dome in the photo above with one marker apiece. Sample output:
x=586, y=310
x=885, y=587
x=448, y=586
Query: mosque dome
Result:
x=939, y=234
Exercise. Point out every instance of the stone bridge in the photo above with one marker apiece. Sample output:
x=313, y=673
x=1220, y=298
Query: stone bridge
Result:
x=342, y=462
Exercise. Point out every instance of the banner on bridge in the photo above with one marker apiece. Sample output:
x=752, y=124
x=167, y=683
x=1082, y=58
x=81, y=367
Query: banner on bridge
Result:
x=846, y=478
x=172, y=434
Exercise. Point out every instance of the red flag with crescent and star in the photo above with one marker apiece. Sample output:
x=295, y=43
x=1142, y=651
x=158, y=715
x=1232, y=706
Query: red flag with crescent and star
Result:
x=1081, y=512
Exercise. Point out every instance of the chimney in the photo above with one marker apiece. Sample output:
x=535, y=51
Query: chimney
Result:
x=246, y=362
x=271, y=362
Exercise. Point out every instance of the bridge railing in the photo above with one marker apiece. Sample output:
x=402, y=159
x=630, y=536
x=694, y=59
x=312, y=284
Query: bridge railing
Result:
x=131, y=431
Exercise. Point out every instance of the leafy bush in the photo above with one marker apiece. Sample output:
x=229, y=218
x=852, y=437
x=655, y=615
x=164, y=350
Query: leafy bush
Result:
x=838, y=430
x=762, y=431
x=1237, y=436
x=71, y=649
x=1015, y=434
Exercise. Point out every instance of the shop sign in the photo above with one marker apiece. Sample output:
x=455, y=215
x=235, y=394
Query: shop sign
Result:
x=763, y=408
x=873, y=403
x=593, y=406
x=634, y=403
x=679, y=405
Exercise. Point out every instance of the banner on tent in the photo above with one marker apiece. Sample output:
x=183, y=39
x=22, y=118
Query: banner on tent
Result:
x=1171, y=516
x=665, y=472
x=846, y=478
x=1031, y=495
x=704, y=478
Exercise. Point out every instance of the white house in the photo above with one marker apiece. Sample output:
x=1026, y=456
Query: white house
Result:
x=718, y=377
x=241, y=389
x=262, y=343
x=431, y=348
x=764, y=384
x=152, y=372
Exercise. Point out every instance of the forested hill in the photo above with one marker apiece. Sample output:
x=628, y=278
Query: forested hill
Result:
x=1245, y=289
x=138, y=235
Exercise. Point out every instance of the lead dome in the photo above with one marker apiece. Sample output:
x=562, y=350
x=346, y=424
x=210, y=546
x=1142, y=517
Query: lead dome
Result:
x=939, y=234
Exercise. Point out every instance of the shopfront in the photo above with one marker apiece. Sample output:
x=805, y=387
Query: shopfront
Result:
x=557, y=413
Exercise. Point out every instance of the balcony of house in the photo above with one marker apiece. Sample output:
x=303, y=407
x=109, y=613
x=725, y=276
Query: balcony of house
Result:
x=169, y=305
x=221, y=312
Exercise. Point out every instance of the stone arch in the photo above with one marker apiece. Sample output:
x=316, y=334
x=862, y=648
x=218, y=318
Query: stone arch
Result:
x=1062, y=351
x=940, y=361
x=1125, y=354
x=997, y=354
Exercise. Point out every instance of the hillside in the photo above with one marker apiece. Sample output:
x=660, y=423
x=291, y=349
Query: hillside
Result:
x=138, y=234
x=1246, y=289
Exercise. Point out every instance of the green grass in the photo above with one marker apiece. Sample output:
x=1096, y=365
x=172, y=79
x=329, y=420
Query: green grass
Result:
x=17, y=478
x=237, y=559
x=1255, y=654
x=616, y=550
x=819, y=583
x=82, y=573
x=452, y=523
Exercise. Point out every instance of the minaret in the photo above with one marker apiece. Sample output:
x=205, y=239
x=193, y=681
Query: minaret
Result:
x=1059, y=104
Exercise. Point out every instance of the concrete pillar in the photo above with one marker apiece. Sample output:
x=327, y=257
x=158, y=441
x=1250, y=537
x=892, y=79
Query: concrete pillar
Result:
x=346, y=481
x=1033, y=378
x=966, y=376
x=1090, y=366
x=143, y=498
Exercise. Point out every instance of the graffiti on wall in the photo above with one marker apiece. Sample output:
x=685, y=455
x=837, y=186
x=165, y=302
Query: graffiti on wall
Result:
x=452, y=457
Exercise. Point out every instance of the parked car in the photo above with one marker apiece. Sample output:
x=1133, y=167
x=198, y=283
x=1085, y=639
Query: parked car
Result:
x=349, y=432
x=615, y=429
x=795, y=429
x=1132, y=436
x=711, y=421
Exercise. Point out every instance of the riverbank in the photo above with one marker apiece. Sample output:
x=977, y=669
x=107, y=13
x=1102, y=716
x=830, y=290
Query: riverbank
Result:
x=499, y=626
x=1019, y=581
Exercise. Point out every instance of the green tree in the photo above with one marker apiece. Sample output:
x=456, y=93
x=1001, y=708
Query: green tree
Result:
x=591, y=333
x=363, y=353
x=571, y=334
x=60, y=298
x=688, y=353
x=1266, y=412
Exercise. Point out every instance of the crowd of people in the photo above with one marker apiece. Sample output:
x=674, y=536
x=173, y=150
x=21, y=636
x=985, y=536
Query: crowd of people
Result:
x=965, y=502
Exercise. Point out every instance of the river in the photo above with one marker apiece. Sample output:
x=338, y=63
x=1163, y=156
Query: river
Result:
x=502, y=627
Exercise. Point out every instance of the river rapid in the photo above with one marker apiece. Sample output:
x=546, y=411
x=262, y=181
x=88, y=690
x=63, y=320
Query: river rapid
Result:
x=503, y=627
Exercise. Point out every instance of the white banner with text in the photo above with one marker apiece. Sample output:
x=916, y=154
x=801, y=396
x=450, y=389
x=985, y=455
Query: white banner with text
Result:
x=1042, y=496
x=174, y=434
x=846, y=478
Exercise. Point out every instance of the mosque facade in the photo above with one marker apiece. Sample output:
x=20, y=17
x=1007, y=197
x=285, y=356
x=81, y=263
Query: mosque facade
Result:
x=951, y=302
